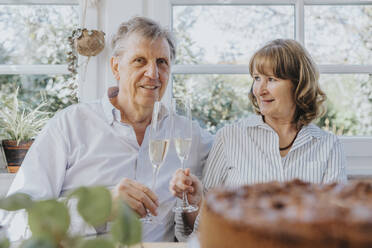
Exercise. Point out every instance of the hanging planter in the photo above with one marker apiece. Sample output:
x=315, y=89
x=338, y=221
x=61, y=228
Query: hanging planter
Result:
x=89, y=42
x=84, y=42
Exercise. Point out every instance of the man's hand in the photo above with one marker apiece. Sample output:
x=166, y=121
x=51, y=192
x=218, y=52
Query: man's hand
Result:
x=184, y=181
x=137, y=196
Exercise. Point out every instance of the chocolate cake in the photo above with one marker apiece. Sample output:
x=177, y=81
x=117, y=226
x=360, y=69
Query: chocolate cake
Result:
x=288, y=215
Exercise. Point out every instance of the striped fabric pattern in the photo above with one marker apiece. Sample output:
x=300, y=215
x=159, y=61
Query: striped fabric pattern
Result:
x=247, y=152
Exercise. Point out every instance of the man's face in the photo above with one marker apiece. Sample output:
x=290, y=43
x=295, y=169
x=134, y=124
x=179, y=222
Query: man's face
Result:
x=142, y=71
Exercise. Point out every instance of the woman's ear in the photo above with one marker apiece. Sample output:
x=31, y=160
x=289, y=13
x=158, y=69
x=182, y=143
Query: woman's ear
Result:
x=114, y=62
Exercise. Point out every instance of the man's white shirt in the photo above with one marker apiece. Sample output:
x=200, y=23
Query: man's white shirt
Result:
x=86, y=144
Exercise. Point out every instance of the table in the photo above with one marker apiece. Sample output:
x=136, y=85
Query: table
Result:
x=162, y=245
x=144, y=245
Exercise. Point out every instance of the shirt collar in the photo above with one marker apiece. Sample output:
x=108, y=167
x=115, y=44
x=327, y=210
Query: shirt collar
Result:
x=309, y=130
x=255, y=120
x=113, y=114
x=109, y=110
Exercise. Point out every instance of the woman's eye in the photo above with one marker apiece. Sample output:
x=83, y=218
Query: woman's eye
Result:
x=256, y=78
x=272, y=79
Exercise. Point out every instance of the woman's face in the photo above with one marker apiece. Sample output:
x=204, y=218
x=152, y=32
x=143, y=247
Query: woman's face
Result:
x=274, y=96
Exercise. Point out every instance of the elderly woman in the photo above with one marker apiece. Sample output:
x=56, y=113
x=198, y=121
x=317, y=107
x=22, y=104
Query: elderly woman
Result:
x=279, y=143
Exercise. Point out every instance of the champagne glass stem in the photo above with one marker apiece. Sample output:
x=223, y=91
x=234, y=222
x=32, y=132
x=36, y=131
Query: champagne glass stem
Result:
x=184, y=196
x=155, y=173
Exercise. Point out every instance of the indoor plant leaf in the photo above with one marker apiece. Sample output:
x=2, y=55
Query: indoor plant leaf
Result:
x=18, y=121
x=16, y=202
x=94, y=204
x=127, y=228
x=96, y=243
x=49, y=218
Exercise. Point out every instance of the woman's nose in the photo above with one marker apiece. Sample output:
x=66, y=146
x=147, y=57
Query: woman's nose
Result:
x=262, y=89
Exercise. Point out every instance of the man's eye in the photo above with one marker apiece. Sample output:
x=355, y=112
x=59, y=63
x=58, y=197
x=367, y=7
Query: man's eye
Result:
x=139, y=60
x=162, y=61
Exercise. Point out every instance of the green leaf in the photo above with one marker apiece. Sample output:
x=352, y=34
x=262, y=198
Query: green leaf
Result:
x=39, y=242
x=94, y=204
x=127, y=228
x=96, y=243
x=4, y=243
x=49, y=218
x=16, y=202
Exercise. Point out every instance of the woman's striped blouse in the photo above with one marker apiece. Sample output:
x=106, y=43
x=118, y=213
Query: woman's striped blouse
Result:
x=248, y=152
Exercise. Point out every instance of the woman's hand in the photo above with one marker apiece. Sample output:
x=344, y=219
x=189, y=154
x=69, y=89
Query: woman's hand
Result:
x=184, y=181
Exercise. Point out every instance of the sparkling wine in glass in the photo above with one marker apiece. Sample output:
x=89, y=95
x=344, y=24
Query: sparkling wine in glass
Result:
x=158, y=149
x=182, y=135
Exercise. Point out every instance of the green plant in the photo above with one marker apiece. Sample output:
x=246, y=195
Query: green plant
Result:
x=49, y=220
x=19, y=122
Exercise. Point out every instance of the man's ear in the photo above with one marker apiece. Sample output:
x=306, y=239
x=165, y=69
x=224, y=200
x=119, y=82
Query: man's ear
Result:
x=114, y=62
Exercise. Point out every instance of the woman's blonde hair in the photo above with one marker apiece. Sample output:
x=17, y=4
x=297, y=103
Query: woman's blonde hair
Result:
x=288, y=60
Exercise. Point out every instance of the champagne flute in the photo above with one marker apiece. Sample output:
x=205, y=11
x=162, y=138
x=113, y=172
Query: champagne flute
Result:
x=182, y=134
x=158, y=149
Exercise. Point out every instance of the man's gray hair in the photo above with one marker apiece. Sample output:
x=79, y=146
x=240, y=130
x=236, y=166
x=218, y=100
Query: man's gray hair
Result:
x=145, y=27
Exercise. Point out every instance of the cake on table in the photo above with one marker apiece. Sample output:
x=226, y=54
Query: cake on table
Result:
x=288, y=215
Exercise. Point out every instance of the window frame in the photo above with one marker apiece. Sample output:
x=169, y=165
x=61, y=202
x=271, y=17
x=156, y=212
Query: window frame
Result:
x=86, y=92
x=357, y=148
x=299, y=35
x=32, y=69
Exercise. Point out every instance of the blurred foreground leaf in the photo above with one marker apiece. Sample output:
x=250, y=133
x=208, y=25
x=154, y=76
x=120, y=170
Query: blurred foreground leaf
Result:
x=4, y=243
x=49, y=218
x=127, y=228
x=16, y=202
x=39, y=242
x=97, y=243
x=94, y=204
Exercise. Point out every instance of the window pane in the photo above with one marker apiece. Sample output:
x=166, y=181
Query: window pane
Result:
x=349, y=103
x=216, y=99
x=339, y=34
x=59, y=90
x=228, y=34
x=36, y=34
x=221, y=99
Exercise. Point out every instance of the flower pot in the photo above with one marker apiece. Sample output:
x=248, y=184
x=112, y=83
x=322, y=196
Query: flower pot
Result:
x=15, y=154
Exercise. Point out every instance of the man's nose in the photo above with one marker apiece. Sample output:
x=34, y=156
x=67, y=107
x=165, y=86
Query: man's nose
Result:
x=152, y=71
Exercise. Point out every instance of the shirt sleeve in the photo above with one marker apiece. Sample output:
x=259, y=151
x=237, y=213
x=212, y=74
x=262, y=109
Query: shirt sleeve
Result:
x=214, y=173
x=42, y=172
x=41, y=176
x=336, y=165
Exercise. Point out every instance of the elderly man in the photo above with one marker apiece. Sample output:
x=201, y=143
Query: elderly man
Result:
x=106, y=142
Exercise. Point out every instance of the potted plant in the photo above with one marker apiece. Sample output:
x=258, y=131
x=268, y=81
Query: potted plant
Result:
x=49, y=220
x=19, y=124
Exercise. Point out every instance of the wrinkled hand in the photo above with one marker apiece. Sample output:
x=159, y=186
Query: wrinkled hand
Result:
x=137, y=196
x=184, y=181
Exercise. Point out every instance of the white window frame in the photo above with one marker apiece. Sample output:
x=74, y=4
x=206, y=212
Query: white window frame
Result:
x=358, y=149
x=85, y=93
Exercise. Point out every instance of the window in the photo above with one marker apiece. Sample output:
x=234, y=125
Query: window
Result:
x=33, y=50
x=217, y=38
